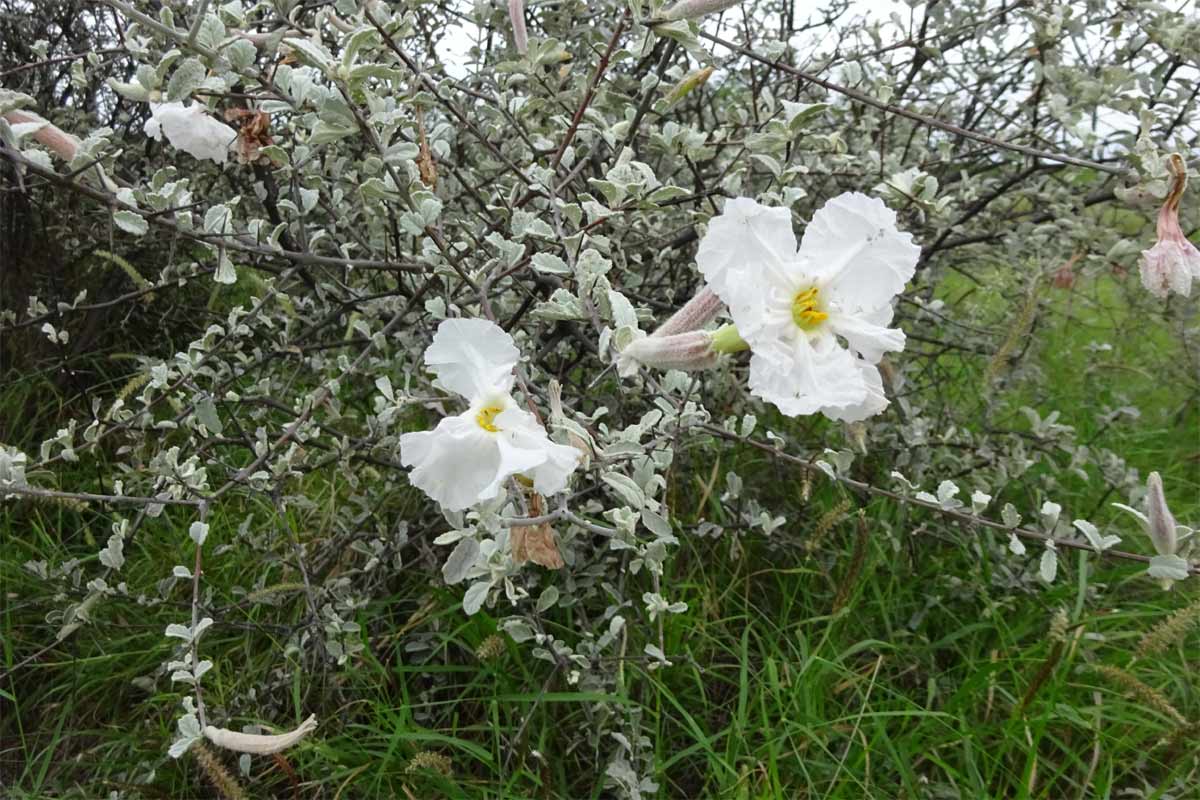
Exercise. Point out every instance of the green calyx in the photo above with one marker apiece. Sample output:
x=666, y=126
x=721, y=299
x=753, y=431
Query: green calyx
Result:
x=726, y=339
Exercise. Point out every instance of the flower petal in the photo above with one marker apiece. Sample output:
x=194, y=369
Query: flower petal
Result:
x=748, y=247
x=472, y=357
x=549, y=464
x=455, y=464
x=807, y=376
x=191, y=129
x=867, y=335
x=854, y=246
x=875, y=402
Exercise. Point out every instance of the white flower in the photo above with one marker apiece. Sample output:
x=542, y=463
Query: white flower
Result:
x=467, y=458
x=795, y=309
x=1159, y=524
x=191, y=129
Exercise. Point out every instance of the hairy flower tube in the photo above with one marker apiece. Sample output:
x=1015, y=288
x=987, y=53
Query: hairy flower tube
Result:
x=686, y=351
x=192, y=130
x=1173, y=262
x=516, y=14
x=815, y=317
x=1159, y=524
x=678, y=343
x=695, y=314
x=467, y=458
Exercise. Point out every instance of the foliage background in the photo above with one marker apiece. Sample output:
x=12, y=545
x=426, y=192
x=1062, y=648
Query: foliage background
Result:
x=833, y=643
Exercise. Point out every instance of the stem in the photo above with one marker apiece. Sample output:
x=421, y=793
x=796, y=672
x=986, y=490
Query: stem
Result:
x=196, y=617
x=959, y=516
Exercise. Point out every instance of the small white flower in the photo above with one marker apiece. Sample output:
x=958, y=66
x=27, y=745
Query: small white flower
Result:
x=796, y=307
x=467, y=458
x=191, y=129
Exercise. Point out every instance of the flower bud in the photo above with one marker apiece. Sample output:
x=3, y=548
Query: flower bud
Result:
x=689, y=84
x=1173, y=262
x=687, y=351
x=1162, y=523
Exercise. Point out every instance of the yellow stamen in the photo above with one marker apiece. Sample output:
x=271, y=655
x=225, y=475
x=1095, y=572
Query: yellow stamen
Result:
x=805, y=312
x=486, y=416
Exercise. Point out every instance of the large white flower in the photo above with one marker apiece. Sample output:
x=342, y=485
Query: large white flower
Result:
x=191, y=129
x=816, y=317
x=467, y=458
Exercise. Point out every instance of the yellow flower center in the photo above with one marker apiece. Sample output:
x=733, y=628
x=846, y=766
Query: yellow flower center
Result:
x=486, y=416
x=805, y=311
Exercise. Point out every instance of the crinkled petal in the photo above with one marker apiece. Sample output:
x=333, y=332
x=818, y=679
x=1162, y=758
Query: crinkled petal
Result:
x=549, y=464
x=455, y=464
x=866, y=335
x=472, y=357
x=875, y=402
x=853, y=245
x=748, y=250
x=806, y=375
x=192, y=130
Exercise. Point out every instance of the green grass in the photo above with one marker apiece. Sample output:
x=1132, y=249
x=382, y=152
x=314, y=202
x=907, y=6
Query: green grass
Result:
x=935, y=678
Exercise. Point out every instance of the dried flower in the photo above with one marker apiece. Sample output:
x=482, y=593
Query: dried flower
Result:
x=1173, y=262
x=259, y=743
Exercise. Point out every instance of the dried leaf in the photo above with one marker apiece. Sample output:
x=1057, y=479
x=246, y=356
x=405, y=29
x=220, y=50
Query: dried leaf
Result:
x=253, y=135
x=425, y=163
x=536, y=543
